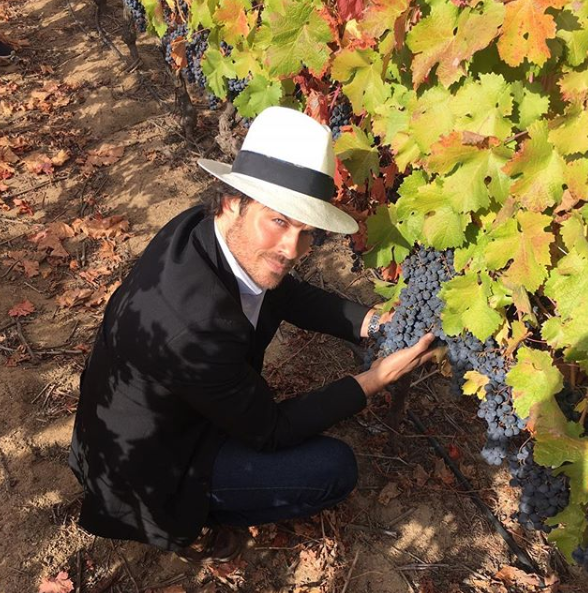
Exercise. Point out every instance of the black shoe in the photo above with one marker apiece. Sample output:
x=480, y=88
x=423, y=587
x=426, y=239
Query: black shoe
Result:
x=216, y=546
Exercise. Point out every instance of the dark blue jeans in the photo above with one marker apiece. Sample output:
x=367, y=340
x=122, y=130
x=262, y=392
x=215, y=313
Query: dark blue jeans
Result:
x=251, y=488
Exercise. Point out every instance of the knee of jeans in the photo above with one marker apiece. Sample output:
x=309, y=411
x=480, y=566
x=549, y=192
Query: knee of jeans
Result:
x=344, y=468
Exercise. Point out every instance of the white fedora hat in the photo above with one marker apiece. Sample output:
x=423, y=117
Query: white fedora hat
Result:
x=287, y=163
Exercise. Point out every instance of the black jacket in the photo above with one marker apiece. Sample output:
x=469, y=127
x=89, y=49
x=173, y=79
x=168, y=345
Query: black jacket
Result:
x=175, y=369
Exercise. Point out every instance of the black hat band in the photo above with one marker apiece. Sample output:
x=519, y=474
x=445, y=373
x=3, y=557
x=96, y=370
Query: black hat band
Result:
x=300, y=179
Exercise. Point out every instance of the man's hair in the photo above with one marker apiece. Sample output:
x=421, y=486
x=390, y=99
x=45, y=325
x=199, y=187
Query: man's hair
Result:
x=213, y=201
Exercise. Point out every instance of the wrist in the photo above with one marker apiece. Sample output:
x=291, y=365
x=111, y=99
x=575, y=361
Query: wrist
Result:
x=373, y=327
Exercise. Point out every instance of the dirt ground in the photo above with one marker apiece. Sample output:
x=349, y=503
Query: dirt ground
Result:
x=92, y=164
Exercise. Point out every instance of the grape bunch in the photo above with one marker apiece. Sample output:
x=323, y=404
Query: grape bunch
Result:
x=419, y=312
x=580, y=556
x=340, y=116
x=236, y=86
x=136, y=10
x=543, y=493
x=567, y=400
x=170, y=39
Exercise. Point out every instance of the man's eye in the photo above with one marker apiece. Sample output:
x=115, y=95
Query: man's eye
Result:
x=280, y=221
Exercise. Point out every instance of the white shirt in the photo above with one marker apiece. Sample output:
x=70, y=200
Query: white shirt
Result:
x=251, y=294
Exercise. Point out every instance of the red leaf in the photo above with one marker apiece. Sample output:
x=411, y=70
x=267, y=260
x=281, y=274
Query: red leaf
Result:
x=454, y=452
x=59, y=584
x=317, y=106
x=350, y=9
x=379, y=190
x=22, y=309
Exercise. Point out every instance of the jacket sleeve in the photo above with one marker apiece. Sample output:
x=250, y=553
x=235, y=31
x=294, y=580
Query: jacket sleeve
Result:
x=219, y=383
x=312, y=308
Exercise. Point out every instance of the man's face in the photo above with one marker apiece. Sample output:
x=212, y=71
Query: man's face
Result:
x=266, y=243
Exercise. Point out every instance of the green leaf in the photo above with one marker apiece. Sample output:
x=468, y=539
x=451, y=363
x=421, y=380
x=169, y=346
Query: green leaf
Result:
x=430, y=118
x=571, y=533
x=466, y=306
x=483, y=107
x=526, y=243
x=389, y=291
x=532, y=104
x=357, y=151
x=361, y=72
x=299, y=38
x=568, y=284
x=449, y=37
x=475, y=168
x=535, y=381
x=538, y=169
x=201, y=12
x=386, y=238
x=573, y=232
x=155, y=17
x=259, y=94
x=572, y=27
x=574, y=85
x=444, y=228
x=218, y=69
x=569, y=132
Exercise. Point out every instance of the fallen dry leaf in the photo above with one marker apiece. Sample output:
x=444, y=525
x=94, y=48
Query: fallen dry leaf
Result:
x=61, y=230
x=420, y=475
x=444, y=473
x=388, y=493
x=40, y=165
x=7, y=155
x=23, y=206
x=97, y=227
x=47, y=242
x=513, y=576
x=22, y=309
x=102, y=157
x=59, y=584
x=60, y=158
x=73, y=296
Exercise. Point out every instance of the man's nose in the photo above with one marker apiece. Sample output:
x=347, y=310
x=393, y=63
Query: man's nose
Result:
x=291, y=244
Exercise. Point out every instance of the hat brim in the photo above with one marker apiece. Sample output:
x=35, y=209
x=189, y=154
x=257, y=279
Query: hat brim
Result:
x=306, y=209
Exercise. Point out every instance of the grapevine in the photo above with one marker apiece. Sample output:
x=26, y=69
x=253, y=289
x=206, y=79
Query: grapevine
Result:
x=469, y=151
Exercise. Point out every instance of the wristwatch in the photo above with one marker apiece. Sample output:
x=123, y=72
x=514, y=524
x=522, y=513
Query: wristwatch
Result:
x=374, y=325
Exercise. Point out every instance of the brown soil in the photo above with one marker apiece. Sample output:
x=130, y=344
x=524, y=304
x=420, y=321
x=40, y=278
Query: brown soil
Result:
x=407, y=528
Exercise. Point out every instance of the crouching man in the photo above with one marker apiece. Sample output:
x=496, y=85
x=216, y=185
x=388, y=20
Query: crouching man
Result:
x=177, y=435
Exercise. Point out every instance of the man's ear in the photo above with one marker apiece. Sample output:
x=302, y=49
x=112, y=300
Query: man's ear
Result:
x=230, y=205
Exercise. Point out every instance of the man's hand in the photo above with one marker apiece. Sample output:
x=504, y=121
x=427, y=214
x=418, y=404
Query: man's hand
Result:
x=387, y=370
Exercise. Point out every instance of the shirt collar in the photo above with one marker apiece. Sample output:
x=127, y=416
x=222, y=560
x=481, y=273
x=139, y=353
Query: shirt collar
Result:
x=245, y=282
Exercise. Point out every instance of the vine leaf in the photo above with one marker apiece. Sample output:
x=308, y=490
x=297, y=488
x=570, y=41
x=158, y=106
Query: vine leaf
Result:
x=430, y=118
x=258, y=94
x=390, y=291
x=474, y=384
x=155, y=16
x=449, y=36
x=569, y=133
x=526, y=29
x=539, y=170
x=217, y=68
x=570, y=534
x=299, y=38
x=572, y=27
x=201, y=14
x=232, y=20
x=472, y=170
x=361, y=72
x=357, y=151
x=532, y=104
x=568, y=284
x=466, y=306
x=388, y=241
x=483, y=106
x=350, y=9
x=381, y=16
x=574, y=85
x=526, y=242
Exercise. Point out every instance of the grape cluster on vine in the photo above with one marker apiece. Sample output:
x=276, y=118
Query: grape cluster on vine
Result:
x=136, y=11
x=340, y=116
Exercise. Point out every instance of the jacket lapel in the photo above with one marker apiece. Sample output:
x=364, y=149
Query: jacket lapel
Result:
x=207, y=239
